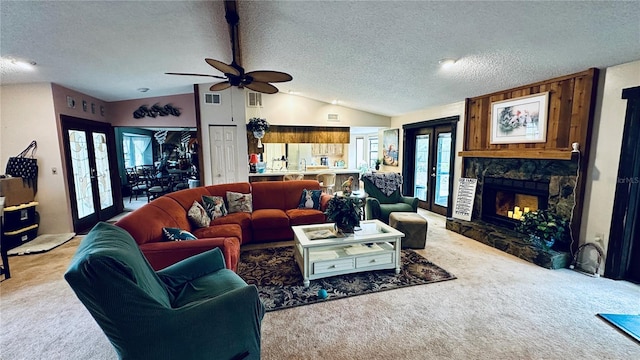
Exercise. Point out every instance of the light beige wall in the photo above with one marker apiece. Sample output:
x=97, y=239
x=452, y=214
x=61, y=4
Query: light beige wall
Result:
x=121, y=112
x=230, y=112
x=28, y=113
x=455, y=109
x=605, y=146
x=285, y=109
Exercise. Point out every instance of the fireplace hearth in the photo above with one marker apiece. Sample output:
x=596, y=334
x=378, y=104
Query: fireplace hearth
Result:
x=506, y=189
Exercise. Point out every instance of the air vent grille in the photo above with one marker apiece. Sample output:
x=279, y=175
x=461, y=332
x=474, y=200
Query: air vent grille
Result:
x=254, y=99
x=212, y=98
x=333, y=117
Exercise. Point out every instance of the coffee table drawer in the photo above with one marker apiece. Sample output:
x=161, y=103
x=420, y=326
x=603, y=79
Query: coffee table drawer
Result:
x=374, y=260
x=332, y=266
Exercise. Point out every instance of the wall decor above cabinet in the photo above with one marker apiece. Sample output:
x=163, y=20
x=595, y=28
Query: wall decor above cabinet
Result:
x=155, y=111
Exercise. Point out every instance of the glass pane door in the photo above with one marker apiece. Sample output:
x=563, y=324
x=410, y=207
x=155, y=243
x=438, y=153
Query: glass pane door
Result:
x=103, y=173
x=81, y=173
x=442, y=166
x=421, y=173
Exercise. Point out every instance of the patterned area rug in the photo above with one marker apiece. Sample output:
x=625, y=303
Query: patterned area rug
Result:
x=279, y=280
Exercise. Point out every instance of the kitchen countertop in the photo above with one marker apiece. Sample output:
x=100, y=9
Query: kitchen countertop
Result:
x=308, y=172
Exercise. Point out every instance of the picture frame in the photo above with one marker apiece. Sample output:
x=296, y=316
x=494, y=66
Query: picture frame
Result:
x=390, y=139
x=520, y=120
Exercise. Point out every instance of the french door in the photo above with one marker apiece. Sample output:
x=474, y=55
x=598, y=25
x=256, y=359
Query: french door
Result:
x=428, y=169
x=88, y=152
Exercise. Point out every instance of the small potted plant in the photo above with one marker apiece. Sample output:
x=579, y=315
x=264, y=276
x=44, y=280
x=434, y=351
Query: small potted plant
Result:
x=545, y=228
x=378, y=162
x=344, y=212
x=258, y=127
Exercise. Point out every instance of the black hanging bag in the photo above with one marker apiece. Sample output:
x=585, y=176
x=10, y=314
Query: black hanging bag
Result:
x=25, y=165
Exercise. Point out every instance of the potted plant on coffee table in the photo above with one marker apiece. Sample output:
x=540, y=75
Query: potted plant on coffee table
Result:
x=344, y=212
x=545, y=228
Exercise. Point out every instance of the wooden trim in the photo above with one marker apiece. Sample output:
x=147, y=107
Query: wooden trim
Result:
x=519, y=154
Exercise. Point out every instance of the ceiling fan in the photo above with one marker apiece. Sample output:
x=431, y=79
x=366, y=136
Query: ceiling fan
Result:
x=234, y=73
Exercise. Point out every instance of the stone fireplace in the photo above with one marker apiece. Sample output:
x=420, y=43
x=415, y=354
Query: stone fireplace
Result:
x=504, y=201
x=506, y=189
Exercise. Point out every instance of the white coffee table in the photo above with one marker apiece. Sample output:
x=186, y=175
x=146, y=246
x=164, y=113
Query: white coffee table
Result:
x=375, y=247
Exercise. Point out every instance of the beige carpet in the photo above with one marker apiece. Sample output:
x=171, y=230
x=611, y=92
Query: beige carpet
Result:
x=500, y=307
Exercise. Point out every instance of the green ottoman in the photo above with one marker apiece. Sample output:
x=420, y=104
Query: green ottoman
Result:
x=413, y=226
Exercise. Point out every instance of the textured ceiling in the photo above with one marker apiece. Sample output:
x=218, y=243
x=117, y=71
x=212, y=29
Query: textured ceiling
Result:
x=380, y=57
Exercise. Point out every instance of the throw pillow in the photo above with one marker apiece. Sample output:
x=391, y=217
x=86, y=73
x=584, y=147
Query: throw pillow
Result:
x=310, y=199
x=175, y=234
x=198, y=215
x=239, y=202
x=214, y=206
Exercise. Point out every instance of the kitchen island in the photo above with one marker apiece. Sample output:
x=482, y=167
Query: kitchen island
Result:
x=341, y=176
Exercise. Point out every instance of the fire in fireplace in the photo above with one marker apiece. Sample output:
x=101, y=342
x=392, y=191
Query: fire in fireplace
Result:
x=505, y=201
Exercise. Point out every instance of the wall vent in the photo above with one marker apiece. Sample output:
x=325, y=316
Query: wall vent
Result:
x=333, y=117
x=212, y=98
x=254, y=99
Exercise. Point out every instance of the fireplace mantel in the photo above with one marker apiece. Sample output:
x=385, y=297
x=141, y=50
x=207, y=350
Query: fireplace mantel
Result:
x=520, y=154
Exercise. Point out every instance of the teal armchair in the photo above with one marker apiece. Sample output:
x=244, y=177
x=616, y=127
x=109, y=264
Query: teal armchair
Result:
x=384, y=196
x=194, y=309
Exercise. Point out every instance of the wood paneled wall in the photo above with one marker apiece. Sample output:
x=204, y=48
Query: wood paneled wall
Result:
x=570, y=115
x=300, y=135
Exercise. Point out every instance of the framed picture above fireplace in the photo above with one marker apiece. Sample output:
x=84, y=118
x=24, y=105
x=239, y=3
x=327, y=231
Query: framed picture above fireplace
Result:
x=520, y=120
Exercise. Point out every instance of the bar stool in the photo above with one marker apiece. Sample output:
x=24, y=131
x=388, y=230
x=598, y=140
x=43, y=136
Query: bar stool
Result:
x=292, y=176
x=327, y=182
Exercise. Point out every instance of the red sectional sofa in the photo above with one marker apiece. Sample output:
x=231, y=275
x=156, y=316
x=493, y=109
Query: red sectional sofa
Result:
x=275, y=210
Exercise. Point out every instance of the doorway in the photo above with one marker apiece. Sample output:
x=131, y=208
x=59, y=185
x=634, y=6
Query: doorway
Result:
x=428, y=165
x=623, y=255
x=89, y=157
x=224, y=147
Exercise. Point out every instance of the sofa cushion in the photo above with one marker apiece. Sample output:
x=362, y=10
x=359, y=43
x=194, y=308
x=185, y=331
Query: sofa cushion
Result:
x=269, y=219
x=305, y=217
x=242, y=219
x=177, y=234
x=283, y=195
x=185, y=197
x=310, y=199
x=198, y=215
x=214, y=205
x=161, y=212
x=239, y=202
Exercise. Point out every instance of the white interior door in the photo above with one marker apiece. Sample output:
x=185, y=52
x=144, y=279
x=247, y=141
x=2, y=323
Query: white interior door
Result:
x=224, y=147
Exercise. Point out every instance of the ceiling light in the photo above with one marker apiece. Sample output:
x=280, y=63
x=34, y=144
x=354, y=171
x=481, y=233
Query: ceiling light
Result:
x=18, y=63
x=334, y=102
x=447, y=63
x=143, y=89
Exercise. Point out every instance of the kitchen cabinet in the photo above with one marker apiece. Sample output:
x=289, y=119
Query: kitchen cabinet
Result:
x=327, y=149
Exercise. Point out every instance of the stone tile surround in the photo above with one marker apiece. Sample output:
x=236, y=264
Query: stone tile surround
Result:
x=561, y=175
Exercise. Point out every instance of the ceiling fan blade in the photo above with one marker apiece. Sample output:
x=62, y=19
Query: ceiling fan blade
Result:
x=220, y=86
x=262, y=87
x=269, y=76
x=222, y=67
x=189, y=74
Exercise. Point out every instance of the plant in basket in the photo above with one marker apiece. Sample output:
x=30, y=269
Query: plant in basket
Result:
x=344, y=212
x=545, y=228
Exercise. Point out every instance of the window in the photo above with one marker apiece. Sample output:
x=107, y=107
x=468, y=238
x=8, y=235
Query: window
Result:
x=359, y=151
x=137, y=150
x=373, y=151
